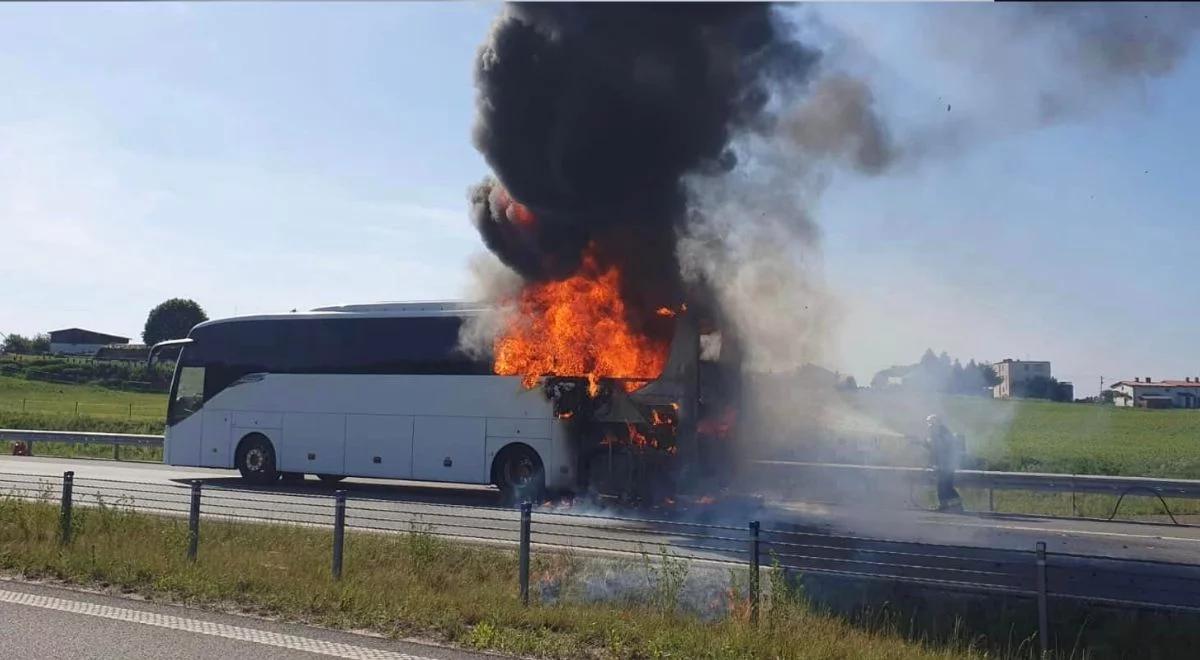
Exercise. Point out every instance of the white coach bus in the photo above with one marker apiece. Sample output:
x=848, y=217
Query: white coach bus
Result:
x=378, y=391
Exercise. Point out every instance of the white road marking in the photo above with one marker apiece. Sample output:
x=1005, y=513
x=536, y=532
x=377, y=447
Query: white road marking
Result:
x=293, y=642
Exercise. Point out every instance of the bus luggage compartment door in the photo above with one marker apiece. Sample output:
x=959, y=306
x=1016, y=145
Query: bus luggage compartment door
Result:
x=379, y=446
x=313, y=443
x=449, y=449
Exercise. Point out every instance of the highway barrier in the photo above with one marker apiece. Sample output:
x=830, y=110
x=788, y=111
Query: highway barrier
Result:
x=1036, y=574
x=793, y=471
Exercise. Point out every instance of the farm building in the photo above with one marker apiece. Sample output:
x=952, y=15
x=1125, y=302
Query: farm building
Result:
x=1145, y=393
x=77, y=341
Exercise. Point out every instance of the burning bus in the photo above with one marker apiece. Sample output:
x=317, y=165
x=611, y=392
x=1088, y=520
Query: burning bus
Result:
x=387, y=391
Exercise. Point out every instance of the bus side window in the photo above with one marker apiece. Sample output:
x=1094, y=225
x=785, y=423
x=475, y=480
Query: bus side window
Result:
x=189, y=394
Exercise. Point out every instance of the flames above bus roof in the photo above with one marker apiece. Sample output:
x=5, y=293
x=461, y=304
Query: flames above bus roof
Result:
x=590, y=117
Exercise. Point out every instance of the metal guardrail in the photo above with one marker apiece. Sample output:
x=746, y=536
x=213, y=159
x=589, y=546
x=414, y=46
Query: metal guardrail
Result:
x=1032, y=481
x=1035, y=481
x=117, y=440
x=82, y=438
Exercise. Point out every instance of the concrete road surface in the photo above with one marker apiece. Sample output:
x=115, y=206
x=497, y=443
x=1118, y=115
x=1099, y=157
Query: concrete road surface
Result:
x=50, y=622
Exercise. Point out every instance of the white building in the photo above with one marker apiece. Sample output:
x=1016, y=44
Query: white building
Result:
x=1146, y=393
x=1015, y=374
x=77, y=341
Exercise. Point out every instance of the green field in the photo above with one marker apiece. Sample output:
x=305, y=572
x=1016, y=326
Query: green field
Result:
x=31, y=404
x=31, y=396
x=1040, y=436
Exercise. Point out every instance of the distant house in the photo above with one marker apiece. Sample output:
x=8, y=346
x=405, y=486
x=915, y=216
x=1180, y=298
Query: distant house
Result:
x=1146, y=393
x=77, y=341
x=1015, y=375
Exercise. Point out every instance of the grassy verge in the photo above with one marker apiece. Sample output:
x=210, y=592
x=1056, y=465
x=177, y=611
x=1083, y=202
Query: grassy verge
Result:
x=419, y=585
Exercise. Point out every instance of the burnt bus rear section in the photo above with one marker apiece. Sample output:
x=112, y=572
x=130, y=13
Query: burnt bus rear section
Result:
x=649, y=443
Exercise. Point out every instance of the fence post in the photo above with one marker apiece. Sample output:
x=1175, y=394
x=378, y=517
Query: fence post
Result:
x=194, y=522
x=339, y=531
x=131, y=411
x=64, y=517
x=76, y=408
x=523, y=555
x=754, y=564
x=22, y=405
x=1043, y=619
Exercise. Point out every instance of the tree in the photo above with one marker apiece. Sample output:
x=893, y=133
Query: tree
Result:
x=172, y=319
x=15, y=343
x=40, y=344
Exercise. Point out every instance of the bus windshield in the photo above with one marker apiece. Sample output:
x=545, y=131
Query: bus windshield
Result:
x=188, y=394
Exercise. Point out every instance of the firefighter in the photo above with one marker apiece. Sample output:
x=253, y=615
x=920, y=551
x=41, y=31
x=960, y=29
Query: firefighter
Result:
x=945, y=454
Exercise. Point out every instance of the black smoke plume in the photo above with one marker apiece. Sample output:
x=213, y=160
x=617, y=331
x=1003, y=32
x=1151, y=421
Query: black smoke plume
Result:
x=591, y=114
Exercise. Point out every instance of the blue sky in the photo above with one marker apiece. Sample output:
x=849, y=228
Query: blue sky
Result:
x=263, y=157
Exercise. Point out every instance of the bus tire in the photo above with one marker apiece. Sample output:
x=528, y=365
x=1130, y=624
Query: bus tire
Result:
x=519, y=474
x=331, y=478
x=255, y=459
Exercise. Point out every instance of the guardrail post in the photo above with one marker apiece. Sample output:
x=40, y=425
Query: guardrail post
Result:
x=64, y=517
x=1043, y=618
x=116, y=452
x=991, y=500
x=194, y=522
x=523, y=555
x=754, y=565
x=339, y=531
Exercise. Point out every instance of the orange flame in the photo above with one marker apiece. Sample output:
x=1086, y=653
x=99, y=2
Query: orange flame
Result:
x=577, y=327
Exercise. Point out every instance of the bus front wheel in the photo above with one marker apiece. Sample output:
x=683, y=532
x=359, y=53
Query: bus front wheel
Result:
x=519, y=475
x=256, y=460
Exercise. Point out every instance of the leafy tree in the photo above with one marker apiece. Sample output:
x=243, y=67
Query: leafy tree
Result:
x=172, y=319
x=15, y=343
x=40, y=343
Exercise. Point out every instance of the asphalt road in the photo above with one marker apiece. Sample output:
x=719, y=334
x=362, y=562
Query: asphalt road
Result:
x=50, y=622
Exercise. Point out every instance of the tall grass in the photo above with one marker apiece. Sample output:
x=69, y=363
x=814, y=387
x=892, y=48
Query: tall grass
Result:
x=417, y=584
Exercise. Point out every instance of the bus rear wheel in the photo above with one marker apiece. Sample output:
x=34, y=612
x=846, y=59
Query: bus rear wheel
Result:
x=519, y=475
x=255, y=459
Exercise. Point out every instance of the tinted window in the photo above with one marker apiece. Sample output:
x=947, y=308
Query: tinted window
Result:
x=413, y=345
